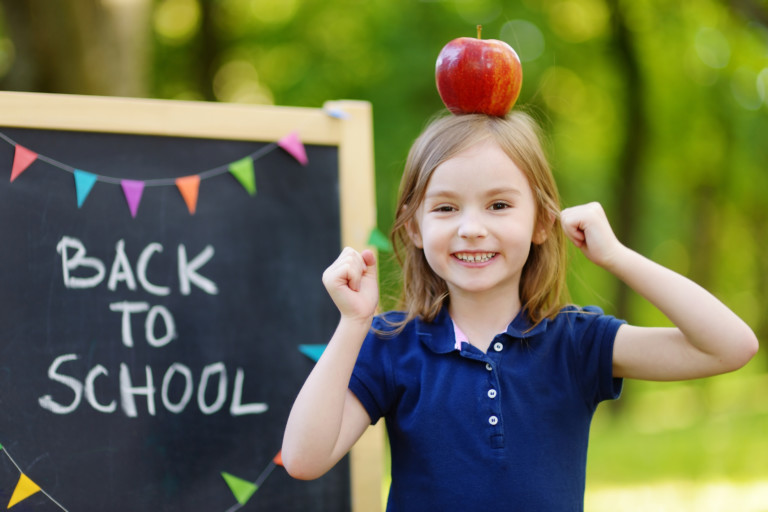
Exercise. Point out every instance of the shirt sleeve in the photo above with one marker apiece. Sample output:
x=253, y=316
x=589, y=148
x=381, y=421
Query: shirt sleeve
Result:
x=594, y=336
x=372, y=377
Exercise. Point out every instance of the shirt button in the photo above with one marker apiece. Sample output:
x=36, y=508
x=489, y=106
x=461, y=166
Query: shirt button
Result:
x=491, y=393
x=498, y=346
x=488, y=367
x=493, y=420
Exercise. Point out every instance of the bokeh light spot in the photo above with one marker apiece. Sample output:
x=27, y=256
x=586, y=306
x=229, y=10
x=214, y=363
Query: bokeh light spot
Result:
x=177, y=21
x=762, y=85
x=712, y=47
x=478, y=11
x=563, y=91
x=274, y=11
x=238, y=82
x=577, y=21
x=744, y=89
x=525, y=38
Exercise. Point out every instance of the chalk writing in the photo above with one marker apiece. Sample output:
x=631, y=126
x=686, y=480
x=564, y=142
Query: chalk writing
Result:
x=177, y=386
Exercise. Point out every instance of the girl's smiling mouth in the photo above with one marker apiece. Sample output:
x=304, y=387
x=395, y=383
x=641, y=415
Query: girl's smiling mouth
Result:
x=474, y=257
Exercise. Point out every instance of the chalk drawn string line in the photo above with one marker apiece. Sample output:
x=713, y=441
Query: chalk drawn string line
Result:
x=159, y=182
x=5, y=450
x=237, y=506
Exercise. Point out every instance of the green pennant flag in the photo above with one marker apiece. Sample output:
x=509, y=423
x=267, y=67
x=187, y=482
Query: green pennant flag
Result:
x=243, y=171
x=242, y=489
x=379, y=240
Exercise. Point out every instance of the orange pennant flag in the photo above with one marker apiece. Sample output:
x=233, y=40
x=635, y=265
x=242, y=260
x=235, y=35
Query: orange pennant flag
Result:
x=22, y=159
x=189, y=187
x=24, y=489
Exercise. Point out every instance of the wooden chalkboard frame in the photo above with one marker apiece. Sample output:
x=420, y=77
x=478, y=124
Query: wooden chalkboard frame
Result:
x=351, y=132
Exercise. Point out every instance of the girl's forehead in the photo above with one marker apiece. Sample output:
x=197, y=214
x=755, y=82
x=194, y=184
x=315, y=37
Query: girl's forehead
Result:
x=484, y=164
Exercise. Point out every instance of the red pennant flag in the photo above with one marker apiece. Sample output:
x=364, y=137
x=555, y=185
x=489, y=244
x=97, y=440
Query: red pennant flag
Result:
x=22, y=159
x=292, y=144
x=189, y=186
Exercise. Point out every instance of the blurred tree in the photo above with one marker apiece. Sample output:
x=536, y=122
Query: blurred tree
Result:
x=86, y=47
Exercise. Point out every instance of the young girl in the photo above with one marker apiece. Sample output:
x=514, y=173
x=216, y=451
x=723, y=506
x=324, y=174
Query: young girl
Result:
x=486, y=379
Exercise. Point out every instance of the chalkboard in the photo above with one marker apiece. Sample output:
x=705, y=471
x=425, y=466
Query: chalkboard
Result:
x=149, y=357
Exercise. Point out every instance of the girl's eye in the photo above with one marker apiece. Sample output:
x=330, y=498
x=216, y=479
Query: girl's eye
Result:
x=443, y=209
x=499, y=205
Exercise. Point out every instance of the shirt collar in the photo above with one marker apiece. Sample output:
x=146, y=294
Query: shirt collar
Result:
x=440, y=334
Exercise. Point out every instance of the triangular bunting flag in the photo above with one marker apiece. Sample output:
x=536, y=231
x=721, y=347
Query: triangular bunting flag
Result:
x=24, y=489
x=22, y=159
x=84, y=182
x=379, y=240
x=312, y=351
x=278, y=458
x=294, y=147
x=189, y=187
x=243, y=171
x=242, y=489
x=133, y=191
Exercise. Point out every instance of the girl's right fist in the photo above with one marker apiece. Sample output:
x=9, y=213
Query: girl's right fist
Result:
x=351, y=283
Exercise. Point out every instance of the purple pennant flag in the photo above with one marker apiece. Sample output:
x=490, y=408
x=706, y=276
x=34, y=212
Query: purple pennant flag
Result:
x=133, y=190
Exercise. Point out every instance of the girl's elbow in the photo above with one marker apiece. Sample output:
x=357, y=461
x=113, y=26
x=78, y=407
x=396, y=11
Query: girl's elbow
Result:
x=299, y=472
x=746, y=349
x=299, y=467
x=752, y=345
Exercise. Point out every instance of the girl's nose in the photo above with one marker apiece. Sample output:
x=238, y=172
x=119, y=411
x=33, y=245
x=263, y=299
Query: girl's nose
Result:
x=471, y=225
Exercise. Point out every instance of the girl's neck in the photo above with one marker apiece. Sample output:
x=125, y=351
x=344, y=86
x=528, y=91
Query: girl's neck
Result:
x=483, y=317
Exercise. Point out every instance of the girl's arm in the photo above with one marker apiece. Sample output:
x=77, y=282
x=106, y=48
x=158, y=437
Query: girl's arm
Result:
x=327, y=418
x=708, y=338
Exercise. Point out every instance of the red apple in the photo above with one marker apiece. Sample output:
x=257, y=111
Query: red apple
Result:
x=478, y=76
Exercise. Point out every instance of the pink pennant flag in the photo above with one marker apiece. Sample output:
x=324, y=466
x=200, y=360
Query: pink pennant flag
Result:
x=22, y=159
x=292, y=144
x=132, y=190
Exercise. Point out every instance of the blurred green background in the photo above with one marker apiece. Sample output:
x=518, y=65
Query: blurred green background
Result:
x=656, y=108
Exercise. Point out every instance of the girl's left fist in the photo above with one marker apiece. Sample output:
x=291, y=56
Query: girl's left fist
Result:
x=588, y=228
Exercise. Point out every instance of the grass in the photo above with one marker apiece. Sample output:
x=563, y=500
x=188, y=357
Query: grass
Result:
x=699, y=446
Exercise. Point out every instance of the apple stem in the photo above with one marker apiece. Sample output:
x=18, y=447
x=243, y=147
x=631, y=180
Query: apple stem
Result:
x=479, y=31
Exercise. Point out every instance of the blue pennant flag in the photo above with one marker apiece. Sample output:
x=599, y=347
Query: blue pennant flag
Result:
x=312, y=351
x=84, y=182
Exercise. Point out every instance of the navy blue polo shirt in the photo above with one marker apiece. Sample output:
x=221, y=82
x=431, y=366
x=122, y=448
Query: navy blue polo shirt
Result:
x=503, y=430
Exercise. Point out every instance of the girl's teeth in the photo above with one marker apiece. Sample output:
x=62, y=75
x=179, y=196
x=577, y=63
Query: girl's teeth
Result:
x=476, y=257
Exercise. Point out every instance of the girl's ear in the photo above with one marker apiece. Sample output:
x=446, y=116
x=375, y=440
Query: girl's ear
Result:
x=543, y=227
x=413, y=233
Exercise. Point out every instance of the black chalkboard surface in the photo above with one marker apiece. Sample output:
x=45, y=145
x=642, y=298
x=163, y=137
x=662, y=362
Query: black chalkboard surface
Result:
x=150, y=362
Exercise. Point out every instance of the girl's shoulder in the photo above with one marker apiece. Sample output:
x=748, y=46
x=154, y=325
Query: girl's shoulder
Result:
x=392, y=324
x=388, y=321
x=584, y=321
x=584, y=311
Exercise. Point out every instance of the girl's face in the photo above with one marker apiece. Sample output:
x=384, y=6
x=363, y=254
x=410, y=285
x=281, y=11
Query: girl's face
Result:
x=477, y=221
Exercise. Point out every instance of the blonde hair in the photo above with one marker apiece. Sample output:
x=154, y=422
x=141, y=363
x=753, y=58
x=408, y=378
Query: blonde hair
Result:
x=542, y=284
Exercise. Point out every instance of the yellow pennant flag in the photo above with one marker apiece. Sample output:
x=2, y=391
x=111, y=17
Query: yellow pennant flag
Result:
x=24, y=489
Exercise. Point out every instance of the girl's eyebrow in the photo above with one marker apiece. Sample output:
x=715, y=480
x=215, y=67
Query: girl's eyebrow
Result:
x=498, y=191
x=504, y=190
